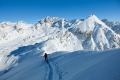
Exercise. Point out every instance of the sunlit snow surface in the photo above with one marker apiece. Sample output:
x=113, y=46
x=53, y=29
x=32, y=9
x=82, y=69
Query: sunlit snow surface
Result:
x=76, y=48
x=78, y=65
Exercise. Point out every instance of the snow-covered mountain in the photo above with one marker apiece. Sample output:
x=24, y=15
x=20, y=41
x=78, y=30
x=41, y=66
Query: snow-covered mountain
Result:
x=56, y=34
x=115, y=25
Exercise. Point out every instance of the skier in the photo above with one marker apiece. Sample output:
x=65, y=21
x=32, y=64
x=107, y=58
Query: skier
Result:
x=46, y=57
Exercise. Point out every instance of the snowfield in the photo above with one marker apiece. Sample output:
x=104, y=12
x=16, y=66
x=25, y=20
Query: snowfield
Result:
x=93, y=45
x=78, y=65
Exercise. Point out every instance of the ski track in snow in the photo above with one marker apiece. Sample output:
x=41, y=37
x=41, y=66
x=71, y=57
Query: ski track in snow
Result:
x=47, y=71
x=53, y=73
x=50, y=76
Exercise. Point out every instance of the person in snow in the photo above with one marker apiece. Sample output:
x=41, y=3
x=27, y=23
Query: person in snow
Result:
x=46, y=57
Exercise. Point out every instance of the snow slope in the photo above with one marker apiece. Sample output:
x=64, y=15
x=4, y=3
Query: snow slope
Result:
x=78, y=65
x=56, y=34
x=115, y=25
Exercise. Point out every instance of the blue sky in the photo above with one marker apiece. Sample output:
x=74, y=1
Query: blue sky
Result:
x=34, y=10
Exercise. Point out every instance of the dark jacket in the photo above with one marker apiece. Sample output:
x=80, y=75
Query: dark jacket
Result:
x=46, y=57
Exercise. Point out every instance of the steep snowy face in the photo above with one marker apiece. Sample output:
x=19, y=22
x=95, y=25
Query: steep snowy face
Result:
x=95, y=34
x=114, y=25
x=57, y=34
x=62, y=41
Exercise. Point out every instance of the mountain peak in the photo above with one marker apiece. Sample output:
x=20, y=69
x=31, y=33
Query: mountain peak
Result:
x=92, y=16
